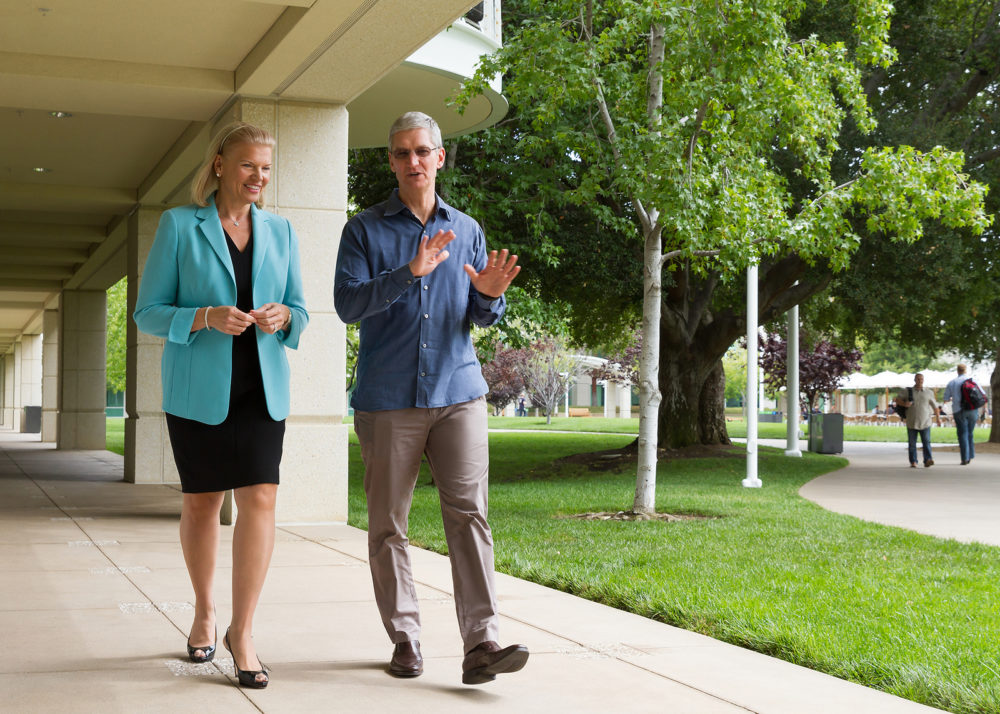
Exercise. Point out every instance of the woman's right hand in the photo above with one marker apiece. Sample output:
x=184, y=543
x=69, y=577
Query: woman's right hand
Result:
x=228, y=319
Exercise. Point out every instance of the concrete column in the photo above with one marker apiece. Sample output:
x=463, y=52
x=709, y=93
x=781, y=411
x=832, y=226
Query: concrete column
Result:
x=624, y=400
x=148, y=458
x=82, y=380
x=7, y=395
x=31, y=374
x=16, y=404
x=50, y=376
x=309, y=187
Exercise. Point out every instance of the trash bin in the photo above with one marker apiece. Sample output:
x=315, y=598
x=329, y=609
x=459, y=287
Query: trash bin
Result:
x=826, y=433
x=32, y=422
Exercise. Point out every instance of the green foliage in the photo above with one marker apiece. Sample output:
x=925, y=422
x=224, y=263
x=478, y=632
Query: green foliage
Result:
x=117, y=323
x=353, y=344
x=735, y=366
x=737, y=84
x=942, y=294
x=885, y=355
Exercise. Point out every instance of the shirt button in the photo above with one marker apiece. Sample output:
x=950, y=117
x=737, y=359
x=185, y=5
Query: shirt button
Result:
x=425, y=287
x=409, y=282
x=426, y=316
x=387, y=301
x=424, y=345
x=423, y=374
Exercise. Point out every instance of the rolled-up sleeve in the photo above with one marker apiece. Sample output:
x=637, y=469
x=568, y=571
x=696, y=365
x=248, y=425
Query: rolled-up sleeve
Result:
x=482, y=311
x=357, y=293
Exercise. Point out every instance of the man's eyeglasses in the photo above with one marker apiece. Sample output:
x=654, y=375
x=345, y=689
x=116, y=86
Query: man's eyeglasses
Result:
x=422, y=152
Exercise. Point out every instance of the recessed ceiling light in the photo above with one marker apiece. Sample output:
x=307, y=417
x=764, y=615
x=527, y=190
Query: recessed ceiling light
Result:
x=60, y=115
x=41, y=170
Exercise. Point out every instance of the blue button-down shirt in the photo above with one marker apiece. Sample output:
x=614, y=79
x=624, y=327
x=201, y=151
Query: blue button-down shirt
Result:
x=416, y=350
x=953, y=393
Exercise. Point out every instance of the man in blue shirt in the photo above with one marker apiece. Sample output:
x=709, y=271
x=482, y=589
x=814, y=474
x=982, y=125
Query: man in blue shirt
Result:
x=416, y=273
x=965, y=419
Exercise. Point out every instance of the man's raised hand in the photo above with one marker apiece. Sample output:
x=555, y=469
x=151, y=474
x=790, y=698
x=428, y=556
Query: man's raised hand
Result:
x=431, y=253
x=497, y=276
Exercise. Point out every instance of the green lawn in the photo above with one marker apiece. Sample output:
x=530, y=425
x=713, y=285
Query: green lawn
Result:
x=116, y=435
x=737, y=428
x=910, y=614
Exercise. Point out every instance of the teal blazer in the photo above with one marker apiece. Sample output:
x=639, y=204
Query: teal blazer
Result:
x=188, y=268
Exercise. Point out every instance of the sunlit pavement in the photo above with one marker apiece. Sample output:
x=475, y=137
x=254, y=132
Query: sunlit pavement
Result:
x=95, y=605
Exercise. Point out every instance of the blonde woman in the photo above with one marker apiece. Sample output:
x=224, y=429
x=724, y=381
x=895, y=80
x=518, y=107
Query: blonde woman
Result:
x=222, y=286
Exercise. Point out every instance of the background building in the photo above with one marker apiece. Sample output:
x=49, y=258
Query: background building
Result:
x=106, y=109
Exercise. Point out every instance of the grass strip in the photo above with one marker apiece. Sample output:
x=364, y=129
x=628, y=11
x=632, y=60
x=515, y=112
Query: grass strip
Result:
x=737, y=429
x=115, y=435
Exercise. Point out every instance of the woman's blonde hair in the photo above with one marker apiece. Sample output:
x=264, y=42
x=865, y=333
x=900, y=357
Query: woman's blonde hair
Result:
x=239, y=132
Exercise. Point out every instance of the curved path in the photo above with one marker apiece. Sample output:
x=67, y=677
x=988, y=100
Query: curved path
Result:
x=946, y=500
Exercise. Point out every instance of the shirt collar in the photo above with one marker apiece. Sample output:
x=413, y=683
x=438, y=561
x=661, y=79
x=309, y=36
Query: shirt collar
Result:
x=394, y=205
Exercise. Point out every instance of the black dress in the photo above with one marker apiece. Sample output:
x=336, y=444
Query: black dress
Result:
x=245, y=449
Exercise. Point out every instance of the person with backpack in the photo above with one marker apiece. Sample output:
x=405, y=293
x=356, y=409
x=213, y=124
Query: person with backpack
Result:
x=917, y=406
x=966, y=398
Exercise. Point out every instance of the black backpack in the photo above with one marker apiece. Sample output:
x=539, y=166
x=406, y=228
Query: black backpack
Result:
x=901, y=410
x=972, y=395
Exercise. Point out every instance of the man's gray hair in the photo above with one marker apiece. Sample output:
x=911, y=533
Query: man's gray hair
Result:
x=416, y=120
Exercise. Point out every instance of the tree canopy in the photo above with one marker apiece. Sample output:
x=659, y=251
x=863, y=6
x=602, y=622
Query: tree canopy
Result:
x=694, y=162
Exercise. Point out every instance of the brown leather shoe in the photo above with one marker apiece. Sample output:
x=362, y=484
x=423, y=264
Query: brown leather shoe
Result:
x=406, y=660
x=929, y=462
x=487, y=660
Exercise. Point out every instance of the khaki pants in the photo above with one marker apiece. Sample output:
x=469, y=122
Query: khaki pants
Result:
x=455, y=441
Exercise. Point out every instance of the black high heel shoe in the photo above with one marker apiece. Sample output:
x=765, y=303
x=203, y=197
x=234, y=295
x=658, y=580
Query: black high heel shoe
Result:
x=247, y=678
x=208, y=651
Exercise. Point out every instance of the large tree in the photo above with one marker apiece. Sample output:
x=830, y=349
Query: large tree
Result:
x=749, y=147
x=944, y=293
x=714, y=155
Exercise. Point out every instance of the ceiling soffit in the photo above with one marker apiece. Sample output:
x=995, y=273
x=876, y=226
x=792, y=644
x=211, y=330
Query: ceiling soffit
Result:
x=144, y=83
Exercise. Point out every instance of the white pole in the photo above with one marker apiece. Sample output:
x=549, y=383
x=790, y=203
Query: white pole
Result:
x=566, y=376
x=751, y=481
x=792, y=392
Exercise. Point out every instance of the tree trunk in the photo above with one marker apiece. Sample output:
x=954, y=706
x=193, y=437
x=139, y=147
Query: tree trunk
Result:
x=649, y=375
x=712, y=408
x=652, y=297
x=695, y=337
x=994, y=391
x=684, y=382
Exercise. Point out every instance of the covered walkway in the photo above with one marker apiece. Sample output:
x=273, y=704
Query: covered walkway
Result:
x=95, y=606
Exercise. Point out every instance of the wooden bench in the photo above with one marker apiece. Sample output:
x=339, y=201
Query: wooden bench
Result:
x=579, y=412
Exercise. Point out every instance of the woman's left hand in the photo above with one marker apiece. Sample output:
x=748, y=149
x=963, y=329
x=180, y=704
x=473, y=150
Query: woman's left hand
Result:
x=272, y=317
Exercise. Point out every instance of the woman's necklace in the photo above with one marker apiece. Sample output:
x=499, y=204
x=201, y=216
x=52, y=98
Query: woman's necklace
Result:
x=234, y=222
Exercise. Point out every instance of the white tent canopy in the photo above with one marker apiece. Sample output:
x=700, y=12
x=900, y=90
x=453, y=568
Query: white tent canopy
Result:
x=932, y=378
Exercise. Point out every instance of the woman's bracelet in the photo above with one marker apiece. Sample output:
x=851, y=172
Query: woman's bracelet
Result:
x=206, y=318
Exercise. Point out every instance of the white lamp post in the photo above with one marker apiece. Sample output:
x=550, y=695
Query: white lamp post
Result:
x=751, y=481
x=792, y=392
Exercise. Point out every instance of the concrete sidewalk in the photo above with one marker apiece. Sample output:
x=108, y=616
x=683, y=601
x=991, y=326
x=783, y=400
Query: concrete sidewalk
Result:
x=946, y=500
x=95, y=607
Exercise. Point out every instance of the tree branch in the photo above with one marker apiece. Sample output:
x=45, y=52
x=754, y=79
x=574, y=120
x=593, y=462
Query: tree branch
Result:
x=982, y=58
x=984, y=157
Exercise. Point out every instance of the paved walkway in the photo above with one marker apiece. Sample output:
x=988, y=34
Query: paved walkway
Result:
x=946, y=500
x=94, y=610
